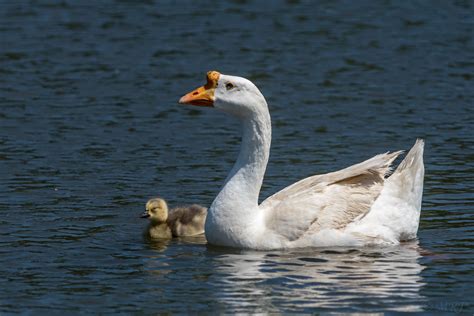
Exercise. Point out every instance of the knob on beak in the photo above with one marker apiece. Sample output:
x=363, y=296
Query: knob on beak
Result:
x=203, y=96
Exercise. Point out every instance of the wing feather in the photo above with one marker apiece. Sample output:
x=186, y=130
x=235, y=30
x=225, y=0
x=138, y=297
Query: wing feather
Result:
x=331, y=200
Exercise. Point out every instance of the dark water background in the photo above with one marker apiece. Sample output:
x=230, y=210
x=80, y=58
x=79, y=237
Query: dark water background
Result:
x=90, y=129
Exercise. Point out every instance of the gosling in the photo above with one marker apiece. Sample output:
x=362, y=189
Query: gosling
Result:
x=181, y=221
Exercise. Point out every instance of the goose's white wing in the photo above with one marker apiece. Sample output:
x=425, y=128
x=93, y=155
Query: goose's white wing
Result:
x=331, y=200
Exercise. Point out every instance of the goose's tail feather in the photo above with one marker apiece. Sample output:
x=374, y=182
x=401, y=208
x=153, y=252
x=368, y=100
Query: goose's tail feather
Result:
x=409, y=175
x=395, y=215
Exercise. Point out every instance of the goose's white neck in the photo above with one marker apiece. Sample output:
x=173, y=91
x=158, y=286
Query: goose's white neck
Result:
x=246, y=176
x=236, y=206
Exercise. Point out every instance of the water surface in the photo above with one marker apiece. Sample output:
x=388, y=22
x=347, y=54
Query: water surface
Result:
x=90, y=129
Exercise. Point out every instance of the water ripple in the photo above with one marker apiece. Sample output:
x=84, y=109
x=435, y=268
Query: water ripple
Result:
x=90, y=130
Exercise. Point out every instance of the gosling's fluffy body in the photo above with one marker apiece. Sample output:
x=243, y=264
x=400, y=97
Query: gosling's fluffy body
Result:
x=179, y=221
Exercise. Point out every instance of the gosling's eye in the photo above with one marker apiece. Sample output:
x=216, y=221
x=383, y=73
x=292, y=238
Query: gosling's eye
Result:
x=229, y=86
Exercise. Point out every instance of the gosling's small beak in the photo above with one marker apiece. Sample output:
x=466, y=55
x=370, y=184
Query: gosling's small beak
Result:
x=145, y=215
x=203, y=96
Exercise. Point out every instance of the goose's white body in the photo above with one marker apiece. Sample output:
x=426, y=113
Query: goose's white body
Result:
x=354, y=206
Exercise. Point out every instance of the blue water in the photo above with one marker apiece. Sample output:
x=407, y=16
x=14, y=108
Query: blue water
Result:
x=90, y=129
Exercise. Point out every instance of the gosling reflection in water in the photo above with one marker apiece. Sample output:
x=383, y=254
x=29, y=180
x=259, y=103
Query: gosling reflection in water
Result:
x=178, y=222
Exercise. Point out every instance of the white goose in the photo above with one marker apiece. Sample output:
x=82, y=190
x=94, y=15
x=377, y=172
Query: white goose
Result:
x=355, y=206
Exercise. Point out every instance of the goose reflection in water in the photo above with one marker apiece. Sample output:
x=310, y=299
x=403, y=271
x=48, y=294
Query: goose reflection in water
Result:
x=334, y=278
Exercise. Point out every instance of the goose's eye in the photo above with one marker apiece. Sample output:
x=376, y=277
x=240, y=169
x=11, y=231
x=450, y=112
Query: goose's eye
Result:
x=229, y=86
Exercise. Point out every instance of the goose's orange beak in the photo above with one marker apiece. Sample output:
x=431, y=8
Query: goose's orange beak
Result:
x=203, y=96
